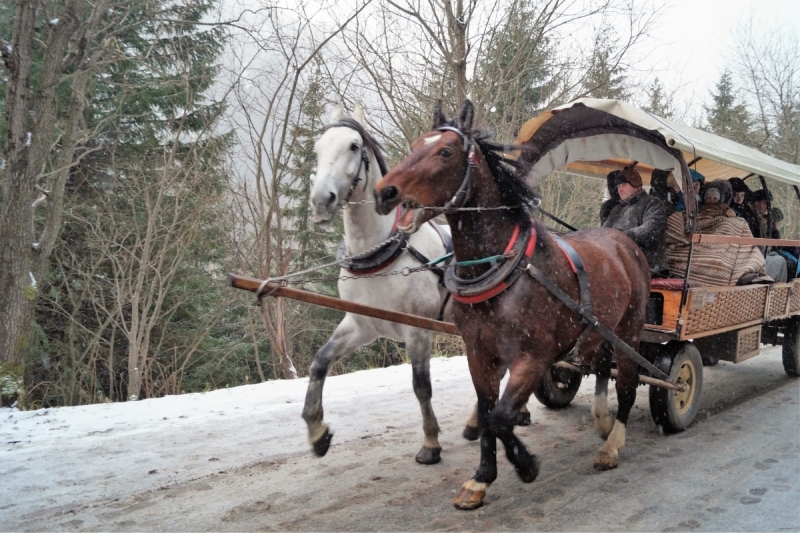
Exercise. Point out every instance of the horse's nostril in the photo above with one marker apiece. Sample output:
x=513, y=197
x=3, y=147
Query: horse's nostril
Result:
x=388, y=194
x=332, y=199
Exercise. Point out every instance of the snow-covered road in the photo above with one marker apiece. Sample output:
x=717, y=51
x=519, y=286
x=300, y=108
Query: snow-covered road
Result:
x=237, y=459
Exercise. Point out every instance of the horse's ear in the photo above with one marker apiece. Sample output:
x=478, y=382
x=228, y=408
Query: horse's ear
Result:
x=359, y=115
x=438, y=117
x=466, y=116
x=338, y=113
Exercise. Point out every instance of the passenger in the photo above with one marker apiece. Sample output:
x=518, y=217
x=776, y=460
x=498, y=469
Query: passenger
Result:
x=664, y=187
x=613, y=197
x=697, y=182
x=717, y=199
x=714, y=263
x=641, y=217
x=790, y=254
x=776, y=265
x=743, y=204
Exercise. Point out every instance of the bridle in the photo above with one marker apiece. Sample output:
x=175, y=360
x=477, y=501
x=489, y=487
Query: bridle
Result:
x=364, y=163
x=462, y=194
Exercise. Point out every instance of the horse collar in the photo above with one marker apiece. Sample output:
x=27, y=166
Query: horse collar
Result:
x=376, y=258
x=499, y=277
x=462, y=194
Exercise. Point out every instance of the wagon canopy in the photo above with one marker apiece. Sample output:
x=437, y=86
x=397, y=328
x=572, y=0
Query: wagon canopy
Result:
x=621, y=133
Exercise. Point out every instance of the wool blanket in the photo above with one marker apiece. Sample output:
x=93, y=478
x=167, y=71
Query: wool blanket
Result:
x=712, y=264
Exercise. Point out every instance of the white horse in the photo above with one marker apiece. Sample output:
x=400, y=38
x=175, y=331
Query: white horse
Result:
x=347, y=170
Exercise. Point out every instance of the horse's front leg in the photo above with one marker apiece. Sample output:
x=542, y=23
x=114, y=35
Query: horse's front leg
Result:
x=345, y=339
x=627, y=381
x=419, y=345
x=486, y=375
x=526, y=374
x=471, y=431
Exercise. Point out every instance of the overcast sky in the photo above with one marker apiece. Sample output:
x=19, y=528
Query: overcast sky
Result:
x=697, y=40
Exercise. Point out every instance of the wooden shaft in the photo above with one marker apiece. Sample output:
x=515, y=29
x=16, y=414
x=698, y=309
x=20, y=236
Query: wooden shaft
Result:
x=722, y=239
x=647, y=380
x=274, y=289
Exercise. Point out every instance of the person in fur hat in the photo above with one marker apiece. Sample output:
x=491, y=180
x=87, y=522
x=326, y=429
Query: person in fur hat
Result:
x=641, y=217
x=717, y=200
x=742, y=204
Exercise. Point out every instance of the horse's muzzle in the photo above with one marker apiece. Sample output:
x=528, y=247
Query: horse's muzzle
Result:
x=386, y=199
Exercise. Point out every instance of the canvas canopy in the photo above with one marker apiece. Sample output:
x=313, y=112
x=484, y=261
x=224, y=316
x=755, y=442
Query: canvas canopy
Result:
x=621, y=133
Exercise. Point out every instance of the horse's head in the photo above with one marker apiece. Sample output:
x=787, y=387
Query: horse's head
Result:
x=339, y=163
x=433, y=175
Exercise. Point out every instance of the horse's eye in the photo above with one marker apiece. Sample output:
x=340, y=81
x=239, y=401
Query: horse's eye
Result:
x=445, y=152
x=354, y=147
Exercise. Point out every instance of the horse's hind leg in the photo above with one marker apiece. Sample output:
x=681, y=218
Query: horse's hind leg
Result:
x=345, y=339
x=602, y=419
x=419, y=350
x=627, y=381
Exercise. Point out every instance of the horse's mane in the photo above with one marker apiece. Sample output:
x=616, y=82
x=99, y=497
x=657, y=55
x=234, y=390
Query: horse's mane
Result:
x=369, y=140
x=509, y=174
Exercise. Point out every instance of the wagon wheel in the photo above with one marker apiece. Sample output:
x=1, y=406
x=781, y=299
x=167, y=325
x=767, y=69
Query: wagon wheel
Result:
x=671, y=409
x=558, y=388
x=791, y=347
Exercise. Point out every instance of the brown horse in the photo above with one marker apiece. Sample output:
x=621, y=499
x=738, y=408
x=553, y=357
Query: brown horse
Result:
x=521, y=325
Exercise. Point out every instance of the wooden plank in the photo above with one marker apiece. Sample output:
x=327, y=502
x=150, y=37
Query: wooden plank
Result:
x=273, y=289
x=724, y=239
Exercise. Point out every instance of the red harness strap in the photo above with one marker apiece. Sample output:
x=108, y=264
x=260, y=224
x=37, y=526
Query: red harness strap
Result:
x=500, y=287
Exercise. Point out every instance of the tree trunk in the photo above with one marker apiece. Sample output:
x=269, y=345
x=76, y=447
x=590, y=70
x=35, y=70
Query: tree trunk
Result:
x=273, y=313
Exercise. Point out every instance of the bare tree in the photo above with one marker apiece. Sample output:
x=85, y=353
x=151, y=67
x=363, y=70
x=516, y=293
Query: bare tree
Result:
x=40, y=146
x=275, y=60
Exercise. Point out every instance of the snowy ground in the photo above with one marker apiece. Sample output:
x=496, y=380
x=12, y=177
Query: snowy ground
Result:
x=237, y=459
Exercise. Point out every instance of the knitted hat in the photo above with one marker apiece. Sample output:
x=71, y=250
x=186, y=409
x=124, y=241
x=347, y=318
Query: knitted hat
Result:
x=711, y=193
x=696, y=176
x=777, y=215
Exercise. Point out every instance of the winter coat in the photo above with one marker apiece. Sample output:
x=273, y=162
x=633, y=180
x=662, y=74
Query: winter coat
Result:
x=643, y=218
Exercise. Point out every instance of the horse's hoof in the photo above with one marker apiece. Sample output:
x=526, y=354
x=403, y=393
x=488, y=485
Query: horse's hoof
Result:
x=605, y=461
x=471, y=433
x=522, y=419
x=429, y=456
x=323, y=443
x=471, y=495
x=529, y=471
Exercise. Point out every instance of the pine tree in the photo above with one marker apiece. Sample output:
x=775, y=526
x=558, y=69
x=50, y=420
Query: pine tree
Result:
x=151, y=173
x=658, y=102
x=514, y=71
x=605, y=77
x=726, y=115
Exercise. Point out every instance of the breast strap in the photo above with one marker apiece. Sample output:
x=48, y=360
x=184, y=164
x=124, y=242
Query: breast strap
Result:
x=499, y=277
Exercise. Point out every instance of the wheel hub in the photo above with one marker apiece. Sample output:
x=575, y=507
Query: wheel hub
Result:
x=686, y=375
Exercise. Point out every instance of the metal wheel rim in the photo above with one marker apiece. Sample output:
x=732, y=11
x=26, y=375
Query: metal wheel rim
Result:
x=686, y=374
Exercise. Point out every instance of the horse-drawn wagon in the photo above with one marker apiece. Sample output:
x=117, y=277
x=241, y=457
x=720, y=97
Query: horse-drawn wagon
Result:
x=528, y=323
x=686, y=322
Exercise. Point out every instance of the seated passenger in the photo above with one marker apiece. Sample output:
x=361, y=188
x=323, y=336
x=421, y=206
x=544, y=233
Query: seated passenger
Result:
x=776, y=265
x=712, y=263
x=743, y=204
x=613, y=197
x=789, y=253
x=641, y=217
x=717, y=199
x=663, y=187
x=697, y=182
